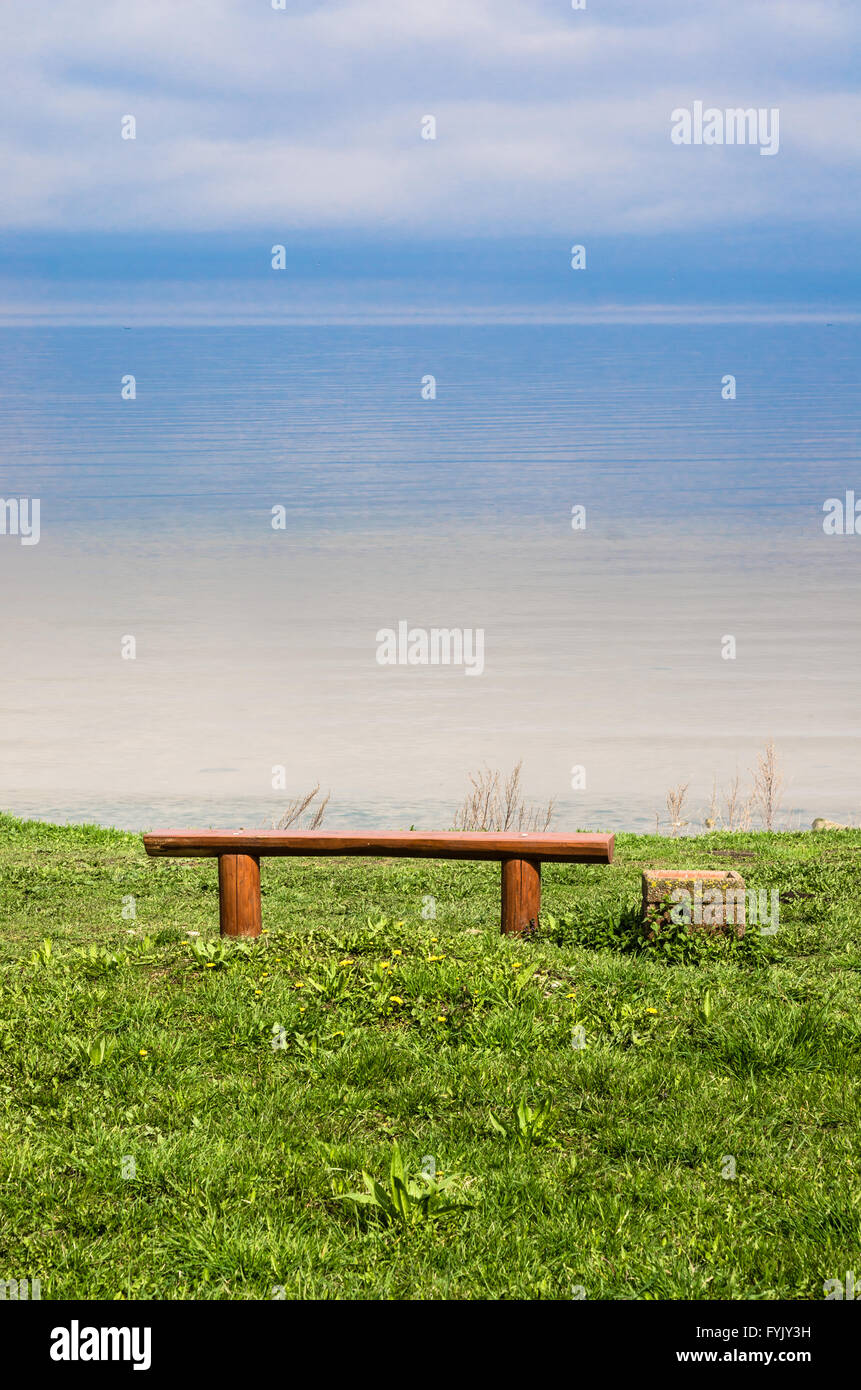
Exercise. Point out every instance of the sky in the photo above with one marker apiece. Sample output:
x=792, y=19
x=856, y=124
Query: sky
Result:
x=257, y=126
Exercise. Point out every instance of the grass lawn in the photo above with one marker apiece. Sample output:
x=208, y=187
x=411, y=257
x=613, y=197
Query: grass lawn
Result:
x=182, y=1118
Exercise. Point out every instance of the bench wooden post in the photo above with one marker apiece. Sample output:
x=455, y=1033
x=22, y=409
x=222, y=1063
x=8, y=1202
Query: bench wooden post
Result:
x=239, y=894
x=521, y=894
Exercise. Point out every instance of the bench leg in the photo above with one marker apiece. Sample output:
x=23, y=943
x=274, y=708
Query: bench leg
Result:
x=239, y=894
x=521, y=894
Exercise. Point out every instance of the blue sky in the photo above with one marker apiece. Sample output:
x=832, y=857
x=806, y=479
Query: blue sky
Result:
x=258, y=126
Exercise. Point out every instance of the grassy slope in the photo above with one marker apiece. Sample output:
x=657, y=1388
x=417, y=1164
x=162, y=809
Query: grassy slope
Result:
x=240, y=1149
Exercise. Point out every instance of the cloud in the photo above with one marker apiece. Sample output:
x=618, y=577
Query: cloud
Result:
x=548, y=120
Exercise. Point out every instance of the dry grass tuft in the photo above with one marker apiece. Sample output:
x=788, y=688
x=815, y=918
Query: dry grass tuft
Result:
x=303, y=806
x=496, y=805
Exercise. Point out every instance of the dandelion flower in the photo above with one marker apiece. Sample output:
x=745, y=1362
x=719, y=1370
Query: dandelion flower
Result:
x=143, y=1052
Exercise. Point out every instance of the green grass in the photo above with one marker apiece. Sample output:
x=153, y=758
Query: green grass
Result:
x=244, y=1151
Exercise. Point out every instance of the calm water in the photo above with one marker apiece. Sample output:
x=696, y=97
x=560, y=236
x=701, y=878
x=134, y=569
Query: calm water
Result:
x=256, y=647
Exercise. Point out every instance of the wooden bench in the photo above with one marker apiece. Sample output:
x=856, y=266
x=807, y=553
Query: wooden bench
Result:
x=239, y=853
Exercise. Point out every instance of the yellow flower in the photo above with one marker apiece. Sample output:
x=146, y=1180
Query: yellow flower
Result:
x=258, y=992
x=265, y=975
x=395, y=999
x=143, y=1052
x=434, y=938
x=397, y=953
x=651, y=1011
x=516, y=964
x=210, y=965
x=298, y=985
x=346, y=962
x=265, y=931
x=436, y=958
x=571, y=996
x=301, y=1008
x=338, y=1035
x=441, y=1018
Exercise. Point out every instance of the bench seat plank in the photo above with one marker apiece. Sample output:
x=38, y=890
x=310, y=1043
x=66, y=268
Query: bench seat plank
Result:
x=403, y=844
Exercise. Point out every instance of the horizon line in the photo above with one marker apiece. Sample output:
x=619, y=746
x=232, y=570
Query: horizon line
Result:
x=623, y=314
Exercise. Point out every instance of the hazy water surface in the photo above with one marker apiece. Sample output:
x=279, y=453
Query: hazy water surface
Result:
x=256, y=647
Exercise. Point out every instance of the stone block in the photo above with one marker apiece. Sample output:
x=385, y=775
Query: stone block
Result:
x=710, y=900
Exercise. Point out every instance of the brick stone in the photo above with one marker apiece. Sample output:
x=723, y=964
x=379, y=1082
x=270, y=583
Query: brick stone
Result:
x=716, y=900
